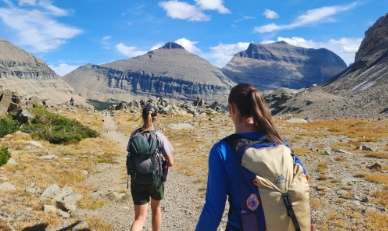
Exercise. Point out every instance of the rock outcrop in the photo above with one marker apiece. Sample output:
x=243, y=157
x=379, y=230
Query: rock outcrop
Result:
x=29, y=76
x=169, y=72
x=271, y=66
x=358, y=91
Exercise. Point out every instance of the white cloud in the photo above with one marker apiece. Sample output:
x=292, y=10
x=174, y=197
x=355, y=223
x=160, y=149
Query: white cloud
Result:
x=63, y=69
x=105, y=42
x=188, y=45
x=46, y=4
x=268, y=28
x=212, y=5
x=27, y=2
x=222, y=53
x=267, y=41
x=130, y=51
x=156, y=46
x=37, y=29
x=349, y=45
x=299, y=42
x=183, y=10
x=51, y=8
x=105, y=38
x=344, y=47
x=244, y=18
x=270, y=14
x=318, y=15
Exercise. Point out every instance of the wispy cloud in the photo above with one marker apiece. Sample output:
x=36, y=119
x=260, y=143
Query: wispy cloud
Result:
x=244, y=18
x=130, y=51
x=270, y=14
x=105, y=42
x=343, y=47
x=37, y=27
x=314, y=16
x=185, y=11
x=105, y=38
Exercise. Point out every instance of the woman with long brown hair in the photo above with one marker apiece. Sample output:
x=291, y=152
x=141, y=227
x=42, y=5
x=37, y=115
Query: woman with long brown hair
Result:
x=252, y=120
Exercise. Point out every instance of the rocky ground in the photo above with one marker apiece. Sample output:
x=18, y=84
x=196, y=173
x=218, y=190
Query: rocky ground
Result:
x=341, y=199
x=346, y=194
x=181, y=206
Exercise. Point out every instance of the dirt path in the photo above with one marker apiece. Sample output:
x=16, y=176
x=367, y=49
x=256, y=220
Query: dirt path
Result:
x=180, y=208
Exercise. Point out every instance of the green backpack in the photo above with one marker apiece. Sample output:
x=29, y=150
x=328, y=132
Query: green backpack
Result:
x=144, y=163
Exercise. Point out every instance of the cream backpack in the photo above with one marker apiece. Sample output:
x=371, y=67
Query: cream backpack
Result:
x=274, y=189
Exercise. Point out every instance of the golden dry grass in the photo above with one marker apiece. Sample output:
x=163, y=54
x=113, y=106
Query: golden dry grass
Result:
x=67, y=169
x=322, y=167
x=378, y=155
x=192, y=147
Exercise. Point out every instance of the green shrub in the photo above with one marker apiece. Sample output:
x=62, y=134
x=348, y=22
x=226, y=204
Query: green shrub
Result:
x=8, y=126
x=57, y=129
x=99, y=105
x=5, y=155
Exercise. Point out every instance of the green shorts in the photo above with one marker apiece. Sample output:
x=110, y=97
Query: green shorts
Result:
x=141, y=193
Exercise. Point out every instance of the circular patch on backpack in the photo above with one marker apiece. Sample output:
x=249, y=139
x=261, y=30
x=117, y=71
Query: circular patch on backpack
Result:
x=253, y=202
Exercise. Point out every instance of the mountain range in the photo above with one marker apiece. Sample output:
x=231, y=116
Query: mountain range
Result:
x=327, y=88
x=30, y=76
x=173, y=72
x=275, y=65
x=358, y=91
x=170, y=72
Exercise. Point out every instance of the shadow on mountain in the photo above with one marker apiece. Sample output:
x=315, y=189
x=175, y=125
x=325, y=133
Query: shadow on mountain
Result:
x=38, y=227
x=43, y=226
x=384, y=111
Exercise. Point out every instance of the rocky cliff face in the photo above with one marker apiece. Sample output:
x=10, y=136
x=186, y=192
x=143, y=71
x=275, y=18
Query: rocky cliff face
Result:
x=271, y=66
x=169, y=71
x=358, y=91
x=375, y=36
x=29, y=76
x=15, y=62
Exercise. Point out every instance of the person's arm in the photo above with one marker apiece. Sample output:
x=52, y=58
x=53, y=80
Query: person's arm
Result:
x=216, y=191
x=170, y=160
x=166, y=148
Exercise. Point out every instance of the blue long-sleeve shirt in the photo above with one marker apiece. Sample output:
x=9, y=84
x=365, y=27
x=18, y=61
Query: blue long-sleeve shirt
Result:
x=222, y=181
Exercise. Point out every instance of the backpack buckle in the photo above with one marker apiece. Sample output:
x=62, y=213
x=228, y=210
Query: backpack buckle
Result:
x=287, y=200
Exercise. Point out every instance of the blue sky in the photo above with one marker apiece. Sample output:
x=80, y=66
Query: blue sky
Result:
x=70, y=33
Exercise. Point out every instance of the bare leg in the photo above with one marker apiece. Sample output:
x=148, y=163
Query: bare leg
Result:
x=156, y=215
x=140, y=217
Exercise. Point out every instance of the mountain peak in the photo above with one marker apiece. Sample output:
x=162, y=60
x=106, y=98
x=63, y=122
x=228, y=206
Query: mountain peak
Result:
x=281, y=42
x=172, y=45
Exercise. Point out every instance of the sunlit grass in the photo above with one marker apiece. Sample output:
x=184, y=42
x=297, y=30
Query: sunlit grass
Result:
x=378, y=155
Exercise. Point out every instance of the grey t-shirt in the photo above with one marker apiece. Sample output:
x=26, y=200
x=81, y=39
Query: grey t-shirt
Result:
x=165, y=146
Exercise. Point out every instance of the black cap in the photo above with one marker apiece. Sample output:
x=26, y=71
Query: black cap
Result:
x=149, y=107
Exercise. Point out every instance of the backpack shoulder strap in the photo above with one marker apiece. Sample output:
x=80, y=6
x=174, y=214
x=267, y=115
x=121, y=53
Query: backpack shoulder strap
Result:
x=238, y=142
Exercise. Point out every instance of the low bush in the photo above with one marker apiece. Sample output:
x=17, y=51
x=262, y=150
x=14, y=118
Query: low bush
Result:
x=7, y=126
x=5, y=155
x=57, y=129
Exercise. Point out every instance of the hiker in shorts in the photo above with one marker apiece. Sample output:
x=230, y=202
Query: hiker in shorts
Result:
x=252, y=119
x=143, y=193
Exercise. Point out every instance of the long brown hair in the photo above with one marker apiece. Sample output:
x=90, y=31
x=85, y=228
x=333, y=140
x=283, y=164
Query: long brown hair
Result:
x=251, y=103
